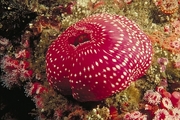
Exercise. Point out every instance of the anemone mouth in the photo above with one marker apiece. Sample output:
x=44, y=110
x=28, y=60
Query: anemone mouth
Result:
x=82, y=38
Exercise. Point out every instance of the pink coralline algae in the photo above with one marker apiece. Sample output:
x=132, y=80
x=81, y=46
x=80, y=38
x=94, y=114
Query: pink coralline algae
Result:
x=97, y=57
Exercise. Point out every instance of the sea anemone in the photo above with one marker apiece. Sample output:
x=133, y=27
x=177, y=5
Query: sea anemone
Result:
x=152, y=97
x=168, y=6
x=166, y=103
x=136, y=115
x=97, y=57
x=175, y=113
x=161, y=114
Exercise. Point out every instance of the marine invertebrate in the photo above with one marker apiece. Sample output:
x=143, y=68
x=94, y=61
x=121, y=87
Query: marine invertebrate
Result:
x=169, y=42
x=136, y=115
x=97, y=57
x=42, y=22
x=35, y=90
x=167, y=6
x=121, y=2
x=96, y=4
x=175, y=114
x=113, y=112
x=15, y=69
x=177, y=64
x=176, y=26
x=165, y=108
x=166, y=104
x=23, y=54
x=152, y=97
x=162, y=63
x=176, y=44
x=176, y=99
x=128, y=1
x=161, y=114
x=3, y=44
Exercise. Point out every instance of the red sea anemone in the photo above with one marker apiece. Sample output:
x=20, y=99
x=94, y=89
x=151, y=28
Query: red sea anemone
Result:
x=97, y=57
x=161, y=114
x=152, y=97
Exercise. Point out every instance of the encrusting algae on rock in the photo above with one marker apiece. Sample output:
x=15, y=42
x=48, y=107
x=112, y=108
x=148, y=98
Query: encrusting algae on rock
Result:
x=103, y=69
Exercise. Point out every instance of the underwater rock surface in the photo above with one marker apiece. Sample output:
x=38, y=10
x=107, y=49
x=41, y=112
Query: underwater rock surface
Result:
x=29, y=27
